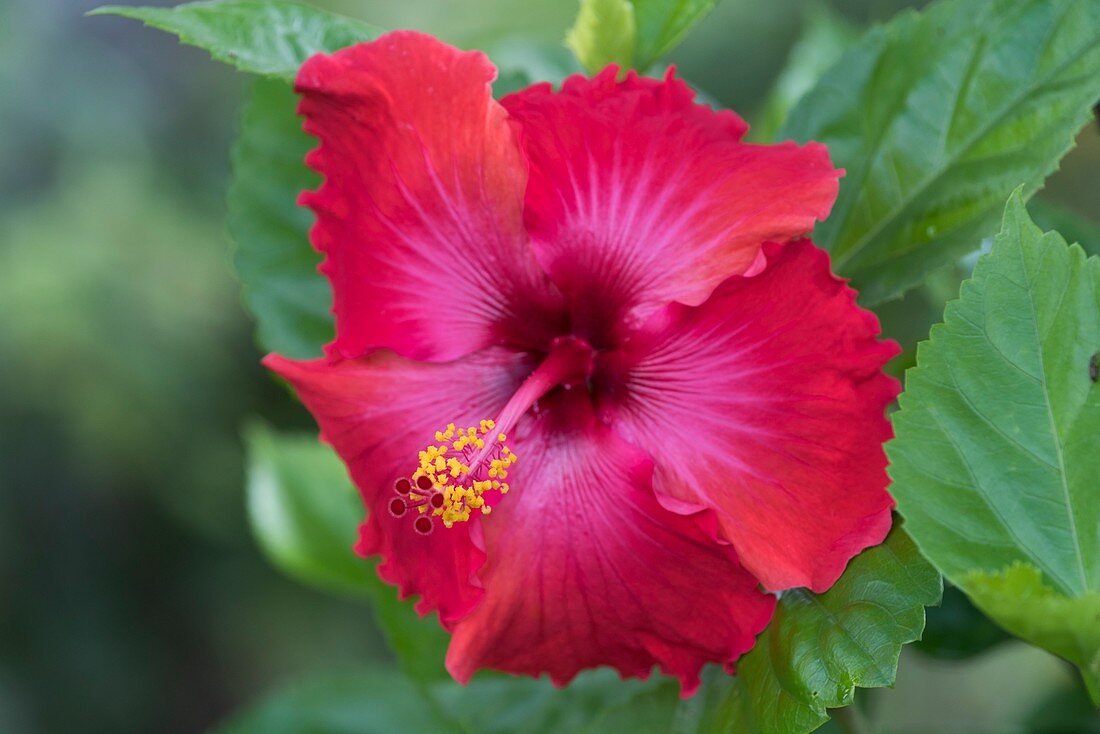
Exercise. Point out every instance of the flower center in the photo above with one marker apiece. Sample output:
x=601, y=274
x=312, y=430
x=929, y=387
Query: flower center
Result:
x=464, y=469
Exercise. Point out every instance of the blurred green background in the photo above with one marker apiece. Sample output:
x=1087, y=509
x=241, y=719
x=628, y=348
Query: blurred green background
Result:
x=132, y=597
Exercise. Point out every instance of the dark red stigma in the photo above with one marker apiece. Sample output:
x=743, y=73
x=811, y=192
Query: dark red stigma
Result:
x=423, y=525
x=402, y=486
x=397, y=507
x=437, y=500
x=424, y=483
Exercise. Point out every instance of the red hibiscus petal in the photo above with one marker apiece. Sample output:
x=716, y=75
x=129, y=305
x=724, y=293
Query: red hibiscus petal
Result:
x=378, y=412
x=638, y=196
x=767, y=404
x=420, y=215
x=585, y=568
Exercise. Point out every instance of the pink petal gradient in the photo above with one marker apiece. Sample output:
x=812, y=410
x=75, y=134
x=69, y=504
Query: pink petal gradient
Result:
x=585, y=568
x=766, y=403
x=638, y=196
x=420, y=214
x=378, y=412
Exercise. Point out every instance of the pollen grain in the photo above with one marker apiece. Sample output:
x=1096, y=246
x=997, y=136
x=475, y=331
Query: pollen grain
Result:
x=457, y=475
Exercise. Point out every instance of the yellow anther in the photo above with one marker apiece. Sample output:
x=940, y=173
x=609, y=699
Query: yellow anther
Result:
x=460, y=474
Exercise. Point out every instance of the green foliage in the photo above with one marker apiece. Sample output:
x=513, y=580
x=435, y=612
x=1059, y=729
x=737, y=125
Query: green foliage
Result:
x=274, y=260
x=1032, y=610
x=820, y=647
x=365, y=702
x=631, y=33
x=305, y=513
x=995, y=462
x=937, y=117
x=956, y=629
x=603, y=34
x=662, y=24
x=825, y=37
x=268, y=37
x=1071, y=225
x=275, y=263
x=505, y=705
x=662, y=711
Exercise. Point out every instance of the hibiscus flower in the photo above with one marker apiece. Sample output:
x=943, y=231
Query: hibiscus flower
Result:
x=607, y=283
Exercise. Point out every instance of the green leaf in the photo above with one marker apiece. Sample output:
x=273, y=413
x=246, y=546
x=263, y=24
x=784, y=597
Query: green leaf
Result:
x=631, y=33
x=825, y=37
x=1032, y=610
x=660, y=709
x=305, y=513
x=604, y=33
x=267, y=37
x=820, y=647
x=662, y=24
x=274, y=260
x=367, y=702
x=937, y=117
x=995, y=463
x=507, y=704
